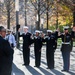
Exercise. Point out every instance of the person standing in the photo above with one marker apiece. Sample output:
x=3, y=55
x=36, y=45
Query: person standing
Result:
x=73, y=35
x=66, y=48
x=11, y=39
x=51, y=41
x=26, y=45
x=37, y=48
x=6, y=54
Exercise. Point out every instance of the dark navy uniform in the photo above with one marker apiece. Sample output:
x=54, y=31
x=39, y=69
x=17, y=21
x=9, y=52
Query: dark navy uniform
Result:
x=73, y=37
x=37, y=50
x=6, y=57
x=51, y=43
x=73, y=34
x=66, y=49
x=26, y=49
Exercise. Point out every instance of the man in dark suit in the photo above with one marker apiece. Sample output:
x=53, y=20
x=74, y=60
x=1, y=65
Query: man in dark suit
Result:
x=26, y=45
x=6, y=54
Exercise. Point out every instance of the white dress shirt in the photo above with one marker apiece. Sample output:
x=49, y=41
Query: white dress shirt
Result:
x=11, y=39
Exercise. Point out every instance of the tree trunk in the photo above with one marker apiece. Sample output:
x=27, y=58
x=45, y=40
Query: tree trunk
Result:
x=38, y=27
x=57, y=16
x=74, y=18
x=47, y=14
x=74, y=14
x=57, y=21
x=47, y=19
x=8, y=19
x=8, y=14
x=25, y=13
x=38, y=13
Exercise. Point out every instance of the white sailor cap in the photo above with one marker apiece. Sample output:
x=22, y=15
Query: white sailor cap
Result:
x=37, y=31
x=66, y=27
x=8, y=30
x=49, y=31
x=25, y=27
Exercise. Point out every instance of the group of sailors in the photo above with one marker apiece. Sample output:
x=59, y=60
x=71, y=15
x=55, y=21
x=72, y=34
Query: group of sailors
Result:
x=7, y=44
x=51, y=44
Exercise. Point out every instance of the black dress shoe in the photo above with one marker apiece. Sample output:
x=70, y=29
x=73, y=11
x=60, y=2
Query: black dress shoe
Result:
x=36, y=66
x=65, y=70
x=47, y=68
x=51, y=67
x=25, y=64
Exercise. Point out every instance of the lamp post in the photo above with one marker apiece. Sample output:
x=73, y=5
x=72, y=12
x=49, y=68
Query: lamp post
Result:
x=17, y=21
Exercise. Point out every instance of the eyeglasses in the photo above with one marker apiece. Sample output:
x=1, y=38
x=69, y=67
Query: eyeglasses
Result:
x=3, y=31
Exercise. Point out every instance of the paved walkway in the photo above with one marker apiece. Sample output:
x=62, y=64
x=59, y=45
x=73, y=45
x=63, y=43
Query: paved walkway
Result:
x=18, y=69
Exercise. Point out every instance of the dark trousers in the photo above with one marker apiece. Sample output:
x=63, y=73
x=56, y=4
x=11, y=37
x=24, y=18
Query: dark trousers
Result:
x=66, y=59
x=50, y=59
x=37, y=57
x=26, y=55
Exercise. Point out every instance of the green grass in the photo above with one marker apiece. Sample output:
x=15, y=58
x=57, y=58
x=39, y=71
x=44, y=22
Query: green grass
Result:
x=59, y=41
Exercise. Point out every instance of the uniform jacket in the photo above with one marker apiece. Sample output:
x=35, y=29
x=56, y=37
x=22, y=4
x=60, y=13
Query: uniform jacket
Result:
x=73, y=34
x=37, y=42
x=51, y=42
x=26, y=39
x=66, y=38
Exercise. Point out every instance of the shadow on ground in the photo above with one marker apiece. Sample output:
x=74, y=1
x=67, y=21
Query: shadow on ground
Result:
x=56, y=72
x=32, y=70
x=72, y=73
x=16, y=70
x=45, y=72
